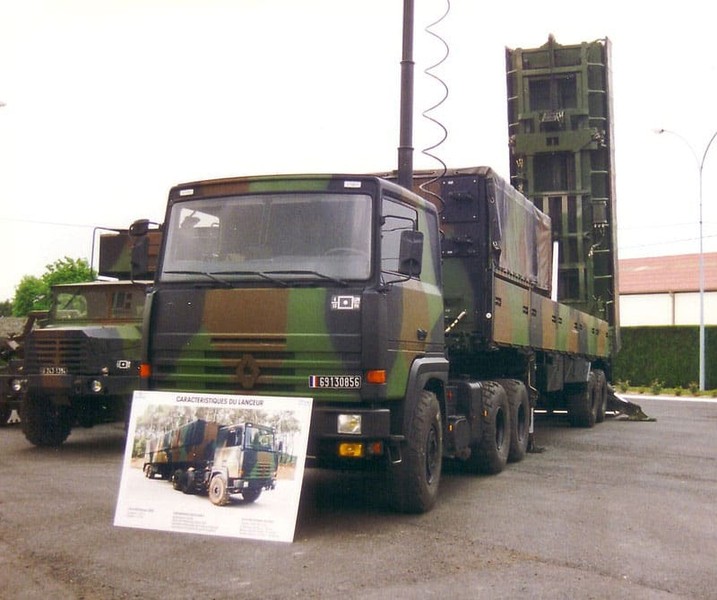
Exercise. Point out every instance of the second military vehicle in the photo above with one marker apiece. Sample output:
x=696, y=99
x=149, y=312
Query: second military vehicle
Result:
x=81, y=364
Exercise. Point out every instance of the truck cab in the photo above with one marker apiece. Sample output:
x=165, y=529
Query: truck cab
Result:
x=322, y=286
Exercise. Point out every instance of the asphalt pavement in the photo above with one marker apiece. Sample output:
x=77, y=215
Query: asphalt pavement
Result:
x=624, y=510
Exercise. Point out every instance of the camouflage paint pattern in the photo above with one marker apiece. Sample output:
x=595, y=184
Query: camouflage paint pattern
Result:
x=189, y=443
x=525, y=319
x=497, y=256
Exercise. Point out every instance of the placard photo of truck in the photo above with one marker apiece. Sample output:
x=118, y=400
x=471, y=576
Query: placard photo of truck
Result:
x=238, y=461
x=208, y=458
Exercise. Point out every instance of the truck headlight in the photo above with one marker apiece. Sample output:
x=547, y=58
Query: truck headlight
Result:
x=96, y=386
x=17, y=385
x=349, y=424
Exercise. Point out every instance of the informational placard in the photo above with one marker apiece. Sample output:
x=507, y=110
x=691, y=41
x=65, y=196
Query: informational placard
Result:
x=214, y=464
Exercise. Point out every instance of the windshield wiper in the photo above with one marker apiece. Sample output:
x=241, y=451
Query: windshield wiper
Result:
x=257, y=273
x=211, y=276
x=335, y=280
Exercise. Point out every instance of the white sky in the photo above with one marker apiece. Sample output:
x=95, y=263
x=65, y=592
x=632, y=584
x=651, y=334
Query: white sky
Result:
x=109, y=103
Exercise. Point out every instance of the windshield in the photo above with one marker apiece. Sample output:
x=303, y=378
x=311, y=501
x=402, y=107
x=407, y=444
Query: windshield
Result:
x=270, y=237
x=259, y=438
x=96, y=304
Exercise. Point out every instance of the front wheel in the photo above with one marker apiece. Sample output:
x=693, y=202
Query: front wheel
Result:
x=218, y=492
x=415, y=479
x=251, y=494
x=43, y=422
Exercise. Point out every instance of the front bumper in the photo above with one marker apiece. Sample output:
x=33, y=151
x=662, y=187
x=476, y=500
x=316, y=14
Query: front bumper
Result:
x=82, y=385
x=329, y=446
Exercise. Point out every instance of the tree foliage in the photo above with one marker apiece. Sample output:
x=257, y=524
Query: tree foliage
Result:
x=33, y=293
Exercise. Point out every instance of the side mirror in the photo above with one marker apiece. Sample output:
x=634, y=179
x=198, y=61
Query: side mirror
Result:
x=410, y=253
x=139, y=260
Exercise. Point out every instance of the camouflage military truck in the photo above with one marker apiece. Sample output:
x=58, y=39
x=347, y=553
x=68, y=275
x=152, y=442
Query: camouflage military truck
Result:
x=81, y=365
x=205, y=457
x=423, y=331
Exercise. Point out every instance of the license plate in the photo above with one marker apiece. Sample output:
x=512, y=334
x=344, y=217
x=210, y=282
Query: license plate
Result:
x=54, y=370
x=335, y=382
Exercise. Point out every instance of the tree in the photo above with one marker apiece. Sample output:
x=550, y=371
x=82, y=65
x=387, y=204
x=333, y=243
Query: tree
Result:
x=33, y=293
x=5, y=308
x=30, y=294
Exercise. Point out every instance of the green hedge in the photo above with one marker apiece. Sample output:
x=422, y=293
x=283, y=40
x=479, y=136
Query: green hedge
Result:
x=667, y=354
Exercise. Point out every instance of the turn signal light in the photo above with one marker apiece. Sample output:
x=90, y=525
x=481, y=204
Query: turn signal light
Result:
x=376, y=376
x=351, y=450
x=145, y=370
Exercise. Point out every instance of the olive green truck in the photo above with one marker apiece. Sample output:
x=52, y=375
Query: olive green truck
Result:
x=423, y=327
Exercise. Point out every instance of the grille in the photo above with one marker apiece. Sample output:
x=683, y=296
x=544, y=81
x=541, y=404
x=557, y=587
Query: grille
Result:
x=69, y=352
x=247, y=363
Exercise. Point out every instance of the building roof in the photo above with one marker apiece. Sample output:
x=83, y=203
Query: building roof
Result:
x=663, y=274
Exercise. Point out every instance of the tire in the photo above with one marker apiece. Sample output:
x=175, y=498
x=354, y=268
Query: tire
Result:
x=5, y=413
x=44, y=423
x=218, y=492
x=178, y=478
x=251, y=494
x=415, y=479
x=519, y=418
x=583, y=403
x=188, y=485
x=490, y=453
x=601, y=391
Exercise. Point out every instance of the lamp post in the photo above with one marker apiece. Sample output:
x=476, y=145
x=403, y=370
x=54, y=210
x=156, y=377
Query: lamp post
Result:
x=700, y=168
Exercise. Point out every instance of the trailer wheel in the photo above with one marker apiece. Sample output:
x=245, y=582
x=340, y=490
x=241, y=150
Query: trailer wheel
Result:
x=583, y=403
x=44, y=423
x=601, y=391
x=251, y=494
x=490, y=453
x=218, y=492
x=519, y=418
x=415, y=479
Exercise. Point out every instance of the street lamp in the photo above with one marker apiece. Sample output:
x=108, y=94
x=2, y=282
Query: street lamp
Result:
x=700, y=168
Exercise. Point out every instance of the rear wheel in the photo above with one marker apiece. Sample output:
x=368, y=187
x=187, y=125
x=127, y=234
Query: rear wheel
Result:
x=601, y=391
x=415, y=479
x=583, y=403
x=490, y=453
x=188, y=485
x=519, y=418
x=178, y=479
x=43, y=422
